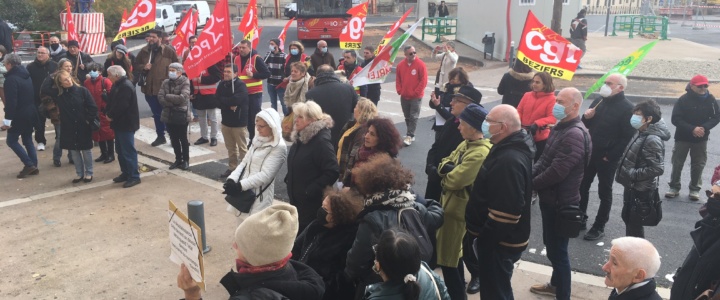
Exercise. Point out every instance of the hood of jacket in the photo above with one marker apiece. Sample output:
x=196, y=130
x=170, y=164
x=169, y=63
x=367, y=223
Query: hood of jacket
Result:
x=660, y=129
x=521, y=76
x=305, y=135
x=272, y=118
x=19, y=71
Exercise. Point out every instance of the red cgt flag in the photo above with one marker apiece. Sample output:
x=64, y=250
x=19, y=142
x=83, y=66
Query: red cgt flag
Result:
x=351, y=36
x=124, y=18
x=141, y=19
x=70, y=24
x=187, y=28
x=249, y=21
x=283, y=33
x=256, y=37
x=214, y=43
x=546, y=51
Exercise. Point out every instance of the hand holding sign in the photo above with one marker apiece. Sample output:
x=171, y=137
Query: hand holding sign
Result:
x=185, y=246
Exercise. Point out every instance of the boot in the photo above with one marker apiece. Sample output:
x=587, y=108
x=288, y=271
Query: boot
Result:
x=103, y=152
x=110, y=152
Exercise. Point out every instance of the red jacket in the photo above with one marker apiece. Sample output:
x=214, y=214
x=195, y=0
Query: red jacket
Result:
x=411, y=80
x=536, y=108
x=96, y=87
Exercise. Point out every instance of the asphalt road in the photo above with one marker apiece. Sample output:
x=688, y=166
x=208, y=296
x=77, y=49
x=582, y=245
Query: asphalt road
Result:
x=708, y=36
x=671, y=237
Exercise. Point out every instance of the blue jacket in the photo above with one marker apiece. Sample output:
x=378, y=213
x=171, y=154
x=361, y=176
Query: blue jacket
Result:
x=19, y=99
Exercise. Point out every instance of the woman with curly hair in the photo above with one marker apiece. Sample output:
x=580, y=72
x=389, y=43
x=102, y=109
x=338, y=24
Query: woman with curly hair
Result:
x=353, y=137
x=385, y=185
x=381, y=137
x=324, y=244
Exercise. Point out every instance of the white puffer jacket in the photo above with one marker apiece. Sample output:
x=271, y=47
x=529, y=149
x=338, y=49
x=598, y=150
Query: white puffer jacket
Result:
x=263, y=161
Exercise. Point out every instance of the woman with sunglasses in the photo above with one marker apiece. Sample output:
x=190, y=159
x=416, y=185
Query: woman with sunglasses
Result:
x=99, y=88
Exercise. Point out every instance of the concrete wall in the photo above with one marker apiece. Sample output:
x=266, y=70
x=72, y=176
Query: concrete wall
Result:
x=474, y=20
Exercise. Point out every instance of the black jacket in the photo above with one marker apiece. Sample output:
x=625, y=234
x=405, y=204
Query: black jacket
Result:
x=610, y=127
x=226, y=99
x=6, y=36
x=645, y=292
x=122, y=106
x=693, y=110
x=325, y=250
x=312, y=166
x=213, y=75
x=498, y=211
x=295, y=281
x=700, y=267
x=513, y=87
x=77, y=111
x=373, y=88
x=644, y=159
x=448, y=141
x=38, y=72
x=85, y=59
x=336, y=99
x=18, y=106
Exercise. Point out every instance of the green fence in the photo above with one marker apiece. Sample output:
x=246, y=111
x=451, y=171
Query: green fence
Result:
x=638, y=24
x=439, y=27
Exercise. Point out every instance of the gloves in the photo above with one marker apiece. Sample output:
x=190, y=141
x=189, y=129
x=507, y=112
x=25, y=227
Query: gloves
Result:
x=533, y=129
x=430, y=170
x=447, y=168
x=231, y=188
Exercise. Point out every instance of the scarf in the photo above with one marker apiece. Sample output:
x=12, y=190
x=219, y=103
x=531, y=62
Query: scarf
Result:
x=342, y=138
x=295, y=90
x=364, y=154
x=323, y=78
x=395, y=198
x=245, y=268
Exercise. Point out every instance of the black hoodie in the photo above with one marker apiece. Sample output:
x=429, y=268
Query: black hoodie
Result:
x=693, y=110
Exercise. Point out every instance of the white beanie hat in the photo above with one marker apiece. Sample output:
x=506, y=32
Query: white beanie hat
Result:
x=268, y=235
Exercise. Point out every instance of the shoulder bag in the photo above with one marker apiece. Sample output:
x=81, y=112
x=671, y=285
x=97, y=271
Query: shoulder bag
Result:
x=244, y=200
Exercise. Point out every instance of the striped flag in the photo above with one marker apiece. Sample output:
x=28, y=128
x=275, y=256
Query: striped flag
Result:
x=379, y=68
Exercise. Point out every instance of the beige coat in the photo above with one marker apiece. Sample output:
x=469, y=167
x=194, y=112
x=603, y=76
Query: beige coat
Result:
x=446, y=65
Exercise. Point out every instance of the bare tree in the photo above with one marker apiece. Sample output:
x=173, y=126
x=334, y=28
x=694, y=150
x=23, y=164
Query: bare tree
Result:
x=556, y=24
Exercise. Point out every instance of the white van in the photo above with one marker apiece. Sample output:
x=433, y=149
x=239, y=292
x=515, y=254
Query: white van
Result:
x=202, y=7
x=165, y=18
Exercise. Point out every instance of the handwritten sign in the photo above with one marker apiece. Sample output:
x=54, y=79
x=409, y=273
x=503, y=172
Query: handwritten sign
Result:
x=185, y=245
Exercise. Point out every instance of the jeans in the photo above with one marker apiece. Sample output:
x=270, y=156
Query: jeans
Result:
x=83, y=162
x=126, y=154
x=605, y=171
x=496, y=268
x=40, y=130
x=698, y=158
x=208, y=116
x=254, y=105
x=411, y=110
x=557, y=253
x=455, y=281
x=275, y=95
x=236, y=144
x=179, y=141
x=57, y=151
x=27, y=155
x=194, y=111
x=156, y=109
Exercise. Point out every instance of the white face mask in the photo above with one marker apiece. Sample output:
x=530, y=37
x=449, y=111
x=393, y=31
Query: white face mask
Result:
x=605, y=91
x=172, y=75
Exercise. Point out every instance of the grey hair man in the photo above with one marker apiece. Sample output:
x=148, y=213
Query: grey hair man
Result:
x=39, y=69
x=20, y=113
x=322, y=56
x=122, y=112
x=630, y=269
x=556, y=177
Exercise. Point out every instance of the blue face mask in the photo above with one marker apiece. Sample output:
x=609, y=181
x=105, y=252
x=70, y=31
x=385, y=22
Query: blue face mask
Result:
x=559, y=112
x=636, y=121
x=94, y=74
x=172, y=75
x=294, y=51
x=486, y=129
x=323, y=49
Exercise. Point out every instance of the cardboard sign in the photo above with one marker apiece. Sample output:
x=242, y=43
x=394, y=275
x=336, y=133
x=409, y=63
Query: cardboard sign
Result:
x=546, y=51
x=185, y=244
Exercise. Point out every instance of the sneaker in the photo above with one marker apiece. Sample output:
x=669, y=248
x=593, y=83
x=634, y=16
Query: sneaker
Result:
x=201, y=141
x=408, y=140
x=594, y=234
x=41, y=147
x=159, y=141
x=694, y=195
x=543, y=289
x=27, y=170
x=672, y=193
x=213, y=142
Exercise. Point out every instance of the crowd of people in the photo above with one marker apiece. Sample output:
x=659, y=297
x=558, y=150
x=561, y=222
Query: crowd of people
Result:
x=355, y=227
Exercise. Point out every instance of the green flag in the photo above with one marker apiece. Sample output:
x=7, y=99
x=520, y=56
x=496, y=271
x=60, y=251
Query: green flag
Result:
x=624, y=67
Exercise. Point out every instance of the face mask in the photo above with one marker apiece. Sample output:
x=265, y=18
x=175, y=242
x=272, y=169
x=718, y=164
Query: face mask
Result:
x=294, y=51
x=322, y=216
x=272, y=48
x=323, y=49
x=605, y=91
x=172, y=75
x=54, y=47
x=94, y=74
x=559, y=112
x=636, y=121
x=486, y=129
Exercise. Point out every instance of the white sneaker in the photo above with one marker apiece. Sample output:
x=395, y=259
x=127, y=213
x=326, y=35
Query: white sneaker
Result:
x=408, y=140
x=41, y=147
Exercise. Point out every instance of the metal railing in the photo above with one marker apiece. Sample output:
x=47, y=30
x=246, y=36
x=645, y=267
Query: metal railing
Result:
x=637, y=24
x=439, y=27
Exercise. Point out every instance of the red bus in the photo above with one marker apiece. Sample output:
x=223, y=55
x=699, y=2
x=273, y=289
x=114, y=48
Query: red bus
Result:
x=322, y=19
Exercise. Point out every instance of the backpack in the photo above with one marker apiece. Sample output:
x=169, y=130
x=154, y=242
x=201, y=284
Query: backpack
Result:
x=409, y=220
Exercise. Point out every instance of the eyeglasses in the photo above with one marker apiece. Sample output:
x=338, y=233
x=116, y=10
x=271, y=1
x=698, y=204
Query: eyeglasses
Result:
x=704, y=86
x=493, y=121
x=411, y=53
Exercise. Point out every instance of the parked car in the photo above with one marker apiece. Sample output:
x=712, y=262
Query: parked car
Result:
x=202, y=7
x=165, y=18
x=291, y=10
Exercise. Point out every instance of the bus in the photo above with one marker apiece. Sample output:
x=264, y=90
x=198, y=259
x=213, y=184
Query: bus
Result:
x=322, y=19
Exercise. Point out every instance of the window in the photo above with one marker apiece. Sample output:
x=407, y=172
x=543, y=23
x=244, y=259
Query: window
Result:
x=527, y=2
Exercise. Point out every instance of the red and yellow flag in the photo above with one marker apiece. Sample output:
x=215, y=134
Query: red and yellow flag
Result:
x=283, y=33
x=249, y=22
x=141, y=19
x=388, y=36
x=70, y=24
x=351, y=36
x=546, y=51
